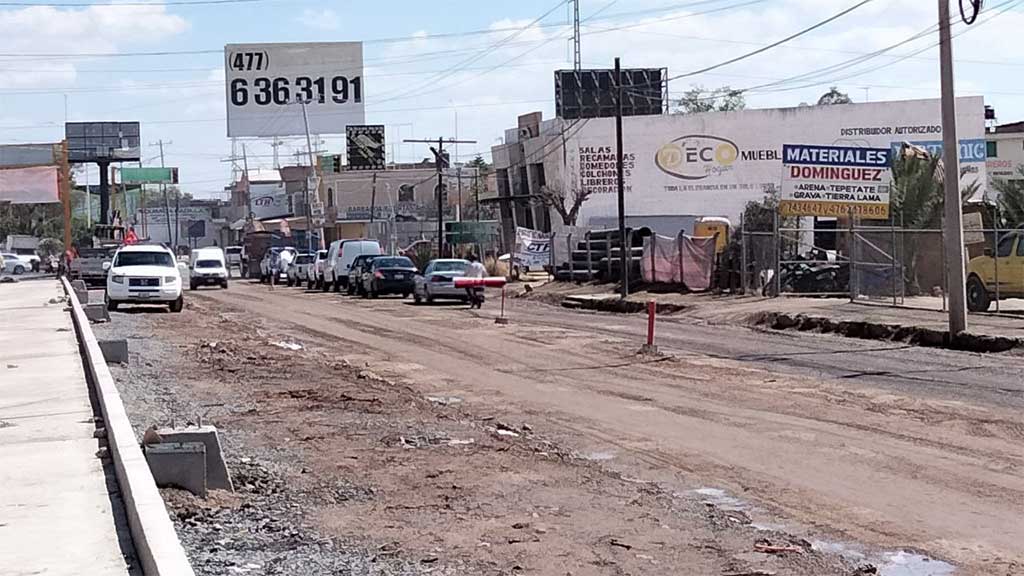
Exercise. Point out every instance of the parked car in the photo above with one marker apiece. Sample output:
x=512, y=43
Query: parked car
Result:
x=339, y=260
x=208, y=268
x=318, y=270
x=359, y=267
x=390, y=275
x=15, y=265
x=300, y=270
x=144, y=274
x=275, y=263
x=981, y=273
x=438, y=281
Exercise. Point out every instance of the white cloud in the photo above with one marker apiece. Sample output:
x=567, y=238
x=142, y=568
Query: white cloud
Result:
x=326, y=19
x=96, y=29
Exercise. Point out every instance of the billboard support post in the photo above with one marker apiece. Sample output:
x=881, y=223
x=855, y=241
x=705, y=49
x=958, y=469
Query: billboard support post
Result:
x=65, y=192
x=623, y=270
x=104, y=192
x=955, y=286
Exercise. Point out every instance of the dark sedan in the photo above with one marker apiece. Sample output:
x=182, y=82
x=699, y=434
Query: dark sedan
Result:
x=390, y=275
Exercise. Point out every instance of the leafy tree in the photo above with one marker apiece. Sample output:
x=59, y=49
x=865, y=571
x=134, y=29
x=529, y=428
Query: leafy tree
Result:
x=834, y=96
x=1011, y=200
x=699, y=99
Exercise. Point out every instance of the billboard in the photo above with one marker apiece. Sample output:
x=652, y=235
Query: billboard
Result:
x=102, y=141
x=591, y=93
x=269, y=200
x=149, y=175
x=835, y=181
x=266, y=82
x=32, y=185
x=713, y=164
x=365, y=147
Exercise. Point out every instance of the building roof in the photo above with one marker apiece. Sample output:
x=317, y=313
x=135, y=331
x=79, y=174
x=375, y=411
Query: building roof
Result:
x=1010, y=128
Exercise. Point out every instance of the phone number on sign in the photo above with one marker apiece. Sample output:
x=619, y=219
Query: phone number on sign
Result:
x=280, y=91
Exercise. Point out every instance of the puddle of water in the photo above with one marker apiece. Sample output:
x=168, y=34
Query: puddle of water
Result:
x=909, y=564
x=720, y=499
x=899, y=563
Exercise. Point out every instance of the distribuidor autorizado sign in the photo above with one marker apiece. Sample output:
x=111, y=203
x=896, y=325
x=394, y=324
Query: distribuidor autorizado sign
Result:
x=835, y=181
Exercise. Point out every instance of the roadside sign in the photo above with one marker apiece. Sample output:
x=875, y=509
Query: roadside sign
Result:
x=835, y=181
x=973, y=226
x=149, y=175
x=266, y=82
x=102, y=141
x=365, y=147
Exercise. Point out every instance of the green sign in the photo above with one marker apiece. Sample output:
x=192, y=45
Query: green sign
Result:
x=149, y=175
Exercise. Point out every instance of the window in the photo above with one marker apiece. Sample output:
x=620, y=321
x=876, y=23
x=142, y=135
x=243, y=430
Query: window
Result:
x=208, y=264
x=144, y=259
x=1006, y=245
x=1020, y=246
x=392, y=263
x=330, y=197
x=991, y=149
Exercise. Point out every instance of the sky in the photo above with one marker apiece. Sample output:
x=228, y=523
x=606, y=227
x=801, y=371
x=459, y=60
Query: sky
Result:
x=464, y=68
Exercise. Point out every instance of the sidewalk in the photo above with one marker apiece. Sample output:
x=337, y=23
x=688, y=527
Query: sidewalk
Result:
x=56, y=513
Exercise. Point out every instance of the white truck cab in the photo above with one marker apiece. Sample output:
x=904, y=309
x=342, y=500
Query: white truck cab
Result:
x=208, y=267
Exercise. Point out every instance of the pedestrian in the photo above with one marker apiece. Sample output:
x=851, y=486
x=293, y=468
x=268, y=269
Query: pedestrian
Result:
x=474, y=295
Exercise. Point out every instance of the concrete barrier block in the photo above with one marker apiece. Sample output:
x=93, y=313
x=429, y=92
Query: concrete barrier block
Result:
x=115, y=351
x=217, y=475
x=179, y=465
x=97, y=313
x=81, y=291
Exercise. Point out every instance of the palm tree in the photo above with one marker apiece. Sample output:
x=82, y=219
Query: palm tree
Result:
x=917, y=196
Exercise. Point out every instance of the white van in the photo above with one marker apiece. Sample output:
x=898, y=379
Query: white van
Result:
x=340, y=257
x=208, y=267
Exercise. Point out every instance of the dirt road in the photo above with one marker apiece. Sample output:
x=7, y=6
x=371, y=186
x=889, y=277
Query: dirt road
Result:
x=875, y=460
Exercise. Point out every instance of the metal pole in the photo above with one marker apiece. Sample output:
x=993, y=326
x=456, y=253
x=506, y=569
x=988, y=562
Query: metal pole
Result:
x=65, y=192
x=590, y=266
x=777, y=279
x=163, y=190
x=654, y=249
x=995, y=252
x=373, y=200
x=743, y=253
x=892, y=252
x=945, y=267
x=679, y=248
x=624, y=287
x=853, y=259
x=950, y=150
x=312, y=168
x=476, y=191
x=458, y=176
x=440, y=196
x=568, y=246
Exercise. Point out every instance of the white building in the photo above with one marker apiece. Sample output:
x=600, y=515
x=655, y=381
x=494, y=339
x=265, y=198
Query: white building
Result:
x=1005, y=152
x=682, y=167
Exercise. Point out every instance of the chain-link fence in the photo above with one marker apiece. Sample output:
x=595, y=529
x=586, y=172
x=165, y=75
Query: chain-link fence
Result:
x=879, y=262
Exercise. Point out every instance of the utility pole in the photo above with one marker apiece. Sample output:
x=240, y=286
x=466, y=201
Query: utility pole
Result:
x=440, y=162
x=624, y=258
x=954, y=231
x=373, y=200
x=476, y=191
x=248, y=194
x=458, y=176
x=311, y=178
x=167, y=204
x=275, y=145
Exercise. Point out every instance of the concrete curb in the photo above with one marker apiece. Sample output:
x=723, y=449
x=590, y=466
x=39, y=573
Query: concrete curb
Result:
x=156, y=543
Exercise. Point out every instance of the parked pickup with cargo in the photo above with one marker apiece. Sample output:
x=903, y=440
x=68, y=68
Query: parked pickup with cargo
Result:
x=982, y=271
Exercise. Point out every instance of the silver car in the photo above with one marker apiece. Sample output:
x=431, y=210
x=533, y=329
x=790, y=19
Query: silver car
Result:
x=438, y=281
